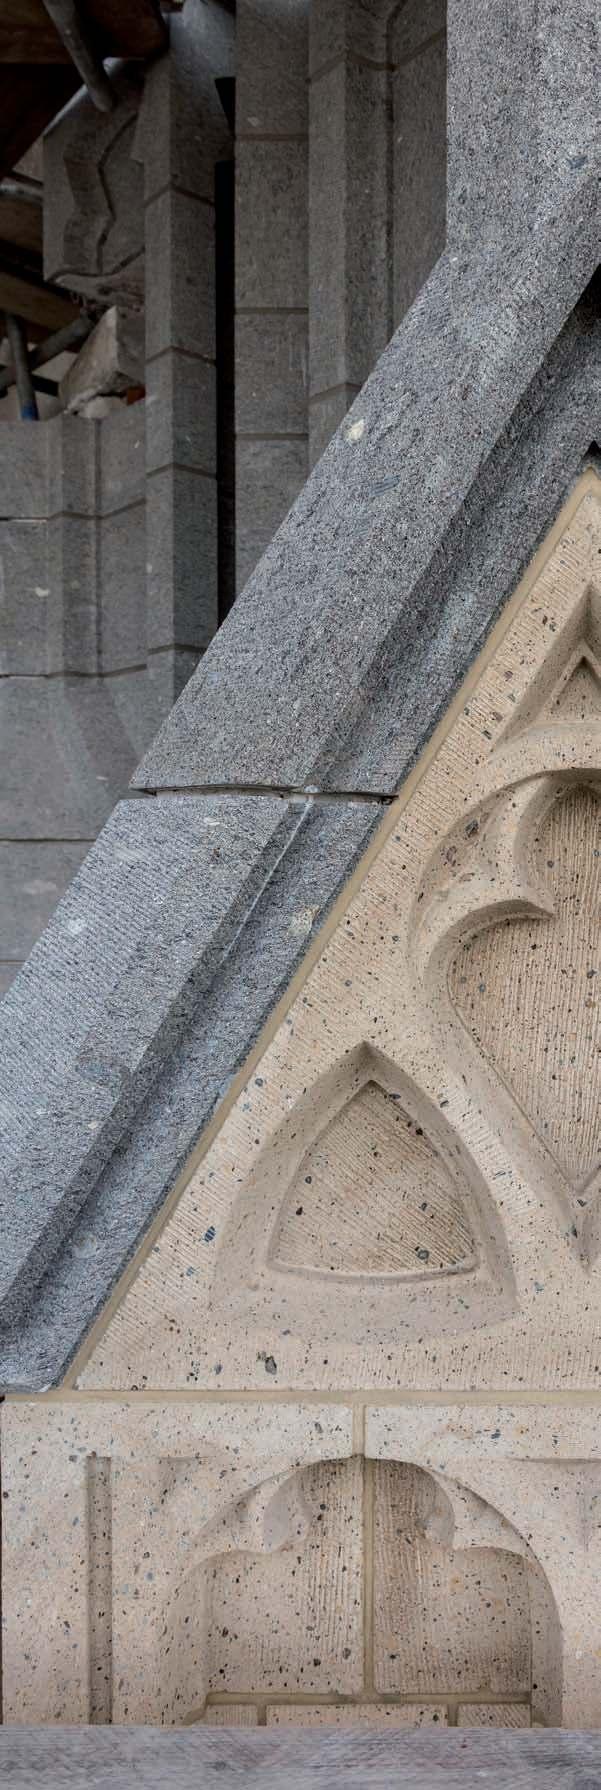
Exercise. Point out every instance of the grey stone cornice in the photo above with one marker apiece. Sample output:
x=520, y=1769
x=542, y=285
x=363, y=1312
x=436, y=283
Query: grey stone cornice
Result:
x=287, y=692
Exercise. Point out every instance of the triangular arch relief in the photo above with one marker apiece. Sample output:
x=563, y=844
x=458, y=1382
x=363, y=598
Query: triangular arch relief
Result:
x=378, y=1106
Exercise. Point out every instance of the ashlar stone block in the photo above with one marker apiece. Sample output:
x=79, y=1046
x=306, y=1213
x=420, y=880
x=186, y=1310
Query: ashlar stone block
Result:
x=406, y=1189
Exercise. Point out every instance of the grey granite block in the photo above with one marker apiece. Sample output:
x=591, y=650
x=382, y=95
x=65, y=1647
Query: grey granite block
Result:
x=412, y=26
x=176, y=940
x=66, y=757
x=25, y=594
x=325, y=415
x=349, y=244
x=121, y=441
x=180, y=413
x=341, y=26
x=24, y=470
x=93, y=217
x=167, y=673
x=135, y=707
x=72, y=466
x=181, y=547
x=195, y=1758
x=72, y=604
x=122, y=595
x=289, y=685
x=180, y=300
x=419, y=134
x=272, y=57
x=272, y=374
x=523, y=113
x=182, y=130
x=33, y=877
x=269, y=476
x=271, y=225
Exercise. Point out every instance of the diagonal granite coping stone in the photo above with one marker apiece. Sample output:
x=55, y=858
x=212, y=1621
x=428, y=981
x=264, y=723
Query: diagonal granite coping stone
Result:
x=285, y=693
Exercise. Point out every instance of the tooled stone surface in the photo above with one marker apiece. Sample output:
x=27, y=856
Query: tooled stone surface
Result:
x=247, y=1551
x=371, y=604
x=406, y=1189
x=371, y=1195
x=165, y=990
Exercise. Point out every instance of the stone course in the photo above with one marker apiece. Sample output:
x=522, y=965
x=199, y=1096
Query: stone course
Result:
x=300, y=1272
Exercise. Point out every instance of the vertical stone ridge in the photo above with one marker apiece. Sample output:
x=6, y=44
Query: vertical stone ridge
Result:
x=100, y=1582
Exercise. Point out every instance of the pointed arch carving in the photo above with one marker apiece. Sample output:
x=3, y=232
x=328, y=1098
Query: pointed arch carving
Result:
x=366, y=1207
x=394, y=1094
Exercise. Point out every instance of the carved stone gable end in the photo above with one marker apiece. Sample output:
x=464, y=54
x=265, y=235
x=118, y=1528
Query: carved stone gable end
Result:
x=334, y=1451
x=407, y=1190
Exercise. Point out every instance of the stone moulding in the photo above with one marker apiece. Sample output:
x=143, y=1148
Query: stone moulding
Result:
x=117, y=1513
x=409, y=1174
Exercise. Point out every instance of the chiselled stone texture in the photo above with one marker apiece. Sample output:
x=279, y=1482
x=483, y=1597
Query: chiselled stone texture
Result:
x=150, y=864
x=347, y=647
x=371, y=1196
x=406, y=1190
x=529, y=978
x=223, y=1562
x=163, y=1561
x=179, y=1487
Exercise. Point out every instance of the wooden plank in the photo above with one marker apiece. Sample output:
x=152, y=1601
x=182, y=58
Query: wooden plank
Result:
x=21, y=219
x=198, y=1758
x=27, y=33
x=37, y=303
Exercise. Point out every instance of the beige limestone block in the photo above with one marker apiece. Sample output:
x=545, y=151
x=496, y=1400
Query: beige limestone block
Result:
x=113, y=1517
x=294, y=1621
x=493, y=1715
x=405, y=1192
x=539, y=1467
x=230, y=1715
x=356, y=1715
x=443, y=1618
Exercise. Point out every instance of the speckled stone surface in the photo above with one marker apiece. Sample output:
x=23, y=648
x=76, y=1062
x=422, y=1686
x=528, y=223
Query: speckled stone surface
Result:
x=331, y=672
x=405, y=1192
x=199, y=911
x=107, y=1580
x=159, y=1553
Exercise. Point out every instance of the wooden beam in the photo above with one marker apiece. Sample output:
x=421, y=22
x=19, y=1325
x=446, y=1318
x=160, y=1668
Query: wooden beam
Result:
x=21, y=217
x=26, y=297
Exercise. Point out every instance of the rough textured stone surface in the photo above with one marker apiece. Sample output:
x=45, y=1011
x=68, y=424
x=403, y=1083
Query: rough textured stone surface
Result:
x=392, y=545
x=288, y=862
x=180, y=1486
x=355, y=1715
x=90, y=592
x=201, y=1543
x=406, y=1189
x=32, y=879
x=271, y=290
x=111, y=360
x=94, y=225
x=353, y=634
